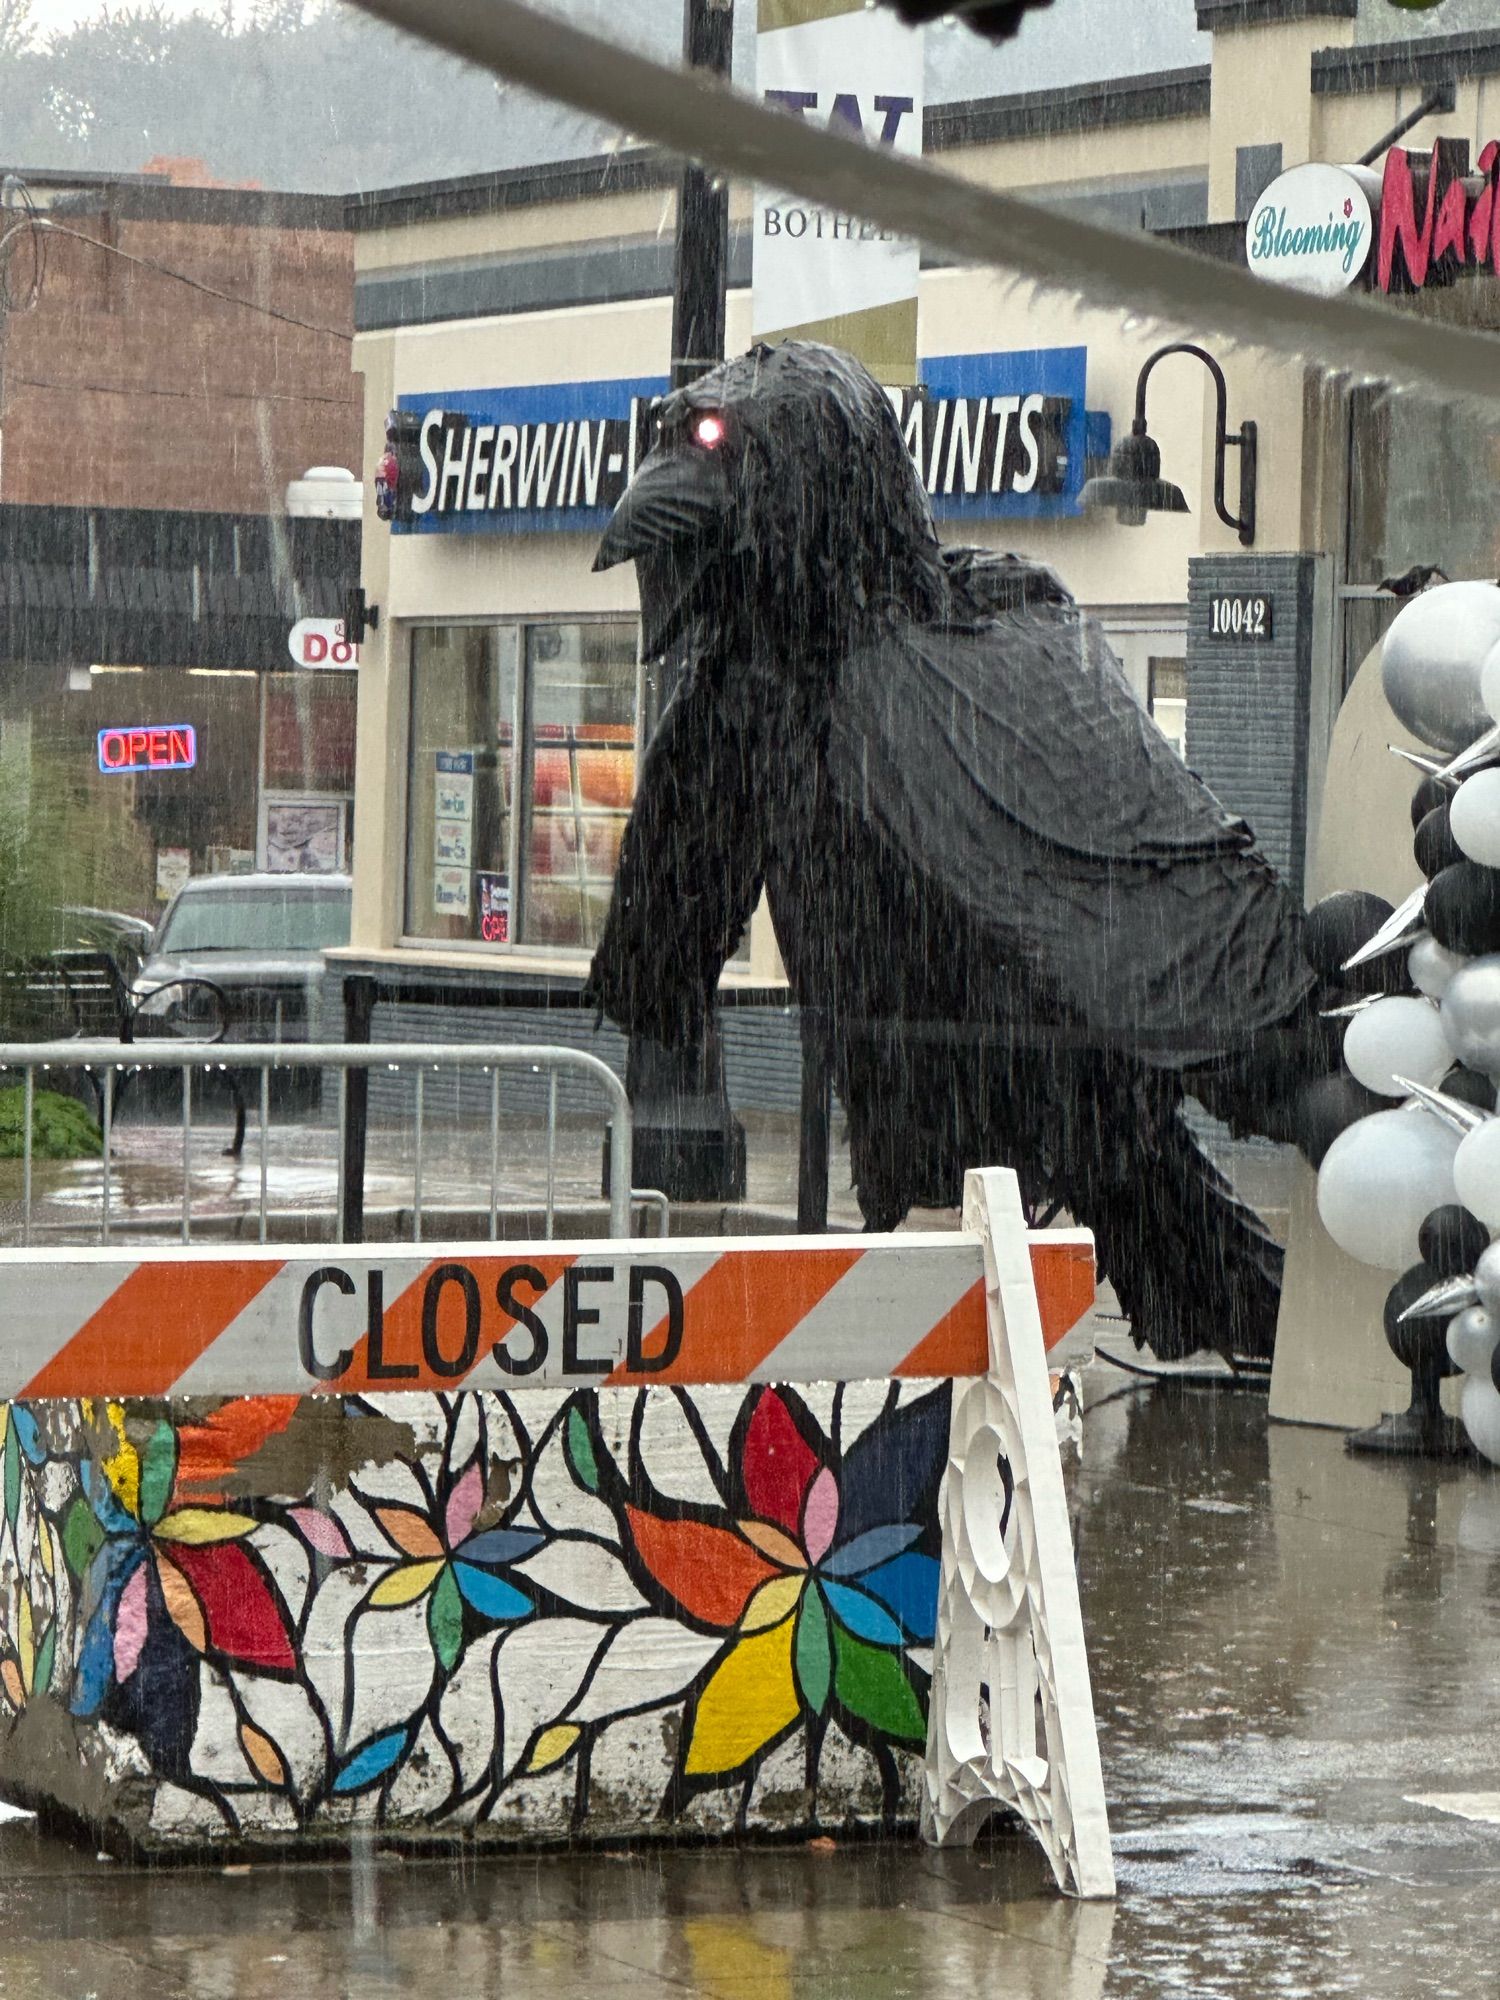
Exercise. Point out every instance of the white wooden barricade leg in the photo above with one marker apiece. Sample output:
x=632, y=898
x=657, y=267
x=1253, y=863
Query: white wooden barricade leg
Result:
x=1011, y=1719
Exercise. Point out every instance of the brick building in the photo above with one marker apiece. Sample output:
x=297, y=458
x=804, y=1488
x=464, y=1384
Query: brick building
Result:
x=171, y=357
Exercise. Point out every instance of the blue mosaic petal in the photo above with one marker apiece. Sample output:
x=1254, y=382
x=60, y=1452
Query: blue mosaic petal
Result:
x=491, y=1596
x=27, y=1433
x=862, y=1615
x=372, y=1761
x=501, y=1545
x=909, y=1585
x=875, y=1545
x=102, y=1498
x=96, y=1656
x=891, y=1471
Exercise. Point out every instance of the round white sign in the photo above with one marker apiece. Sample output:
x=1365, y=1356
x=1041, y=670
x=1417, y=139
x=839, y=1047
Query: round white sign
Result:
x=1311, y=229
x=320, y=642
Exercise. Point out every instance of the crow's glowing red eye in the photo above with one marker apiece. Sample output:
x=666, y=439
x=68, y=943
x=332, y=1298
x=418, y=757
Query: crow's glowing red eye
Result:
x=709, y=431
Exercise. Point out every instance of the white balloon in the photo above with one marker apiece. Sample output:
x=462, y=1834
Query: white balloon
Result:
x=1471, y=1013
x=1472, y=1337
x=1487, y=1278
x=1476, y=1172
x=1434, y=654
x=1401, y=1036
x=1378, y=1182
x=1489, y=682
x=1430, y=965
x=1474, y=817
x=1479, y=1406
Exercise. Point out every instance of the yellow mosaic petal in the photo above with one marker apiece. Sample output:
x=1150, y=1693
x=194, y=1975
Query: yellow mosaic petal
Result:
x=26, y=1642
x=123, y=1466
x=772, y=1602
x=404, y=1585
x=199, y=1525
x=44, y=1541
x=750, y=1699
x=553, y=1745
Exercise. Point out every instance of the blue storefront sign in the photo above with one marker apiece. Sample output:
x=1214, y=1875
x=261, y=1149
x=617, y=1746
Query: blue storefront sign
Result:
x=993, y=435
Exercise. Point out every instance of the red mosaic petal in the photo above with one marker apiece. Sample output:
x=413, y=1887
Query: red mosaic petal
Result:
x=243, y=1619
x=778, y=1464
x=710, y=1571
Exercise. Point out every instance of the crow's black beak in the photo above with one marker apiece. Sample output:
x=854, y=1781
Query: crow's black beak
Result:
x=677, y=499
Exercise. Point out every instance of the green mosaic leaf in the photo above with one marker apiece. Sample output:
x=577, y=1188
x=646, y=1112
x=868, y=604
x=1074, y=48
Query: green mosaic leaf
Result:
x=580, y=1449
x=46, y=1654
x=445, y=1620
x=813, y=1657
x=872, y=1684
x=12, y=1474
x=82, y=1537
x=158, y=1470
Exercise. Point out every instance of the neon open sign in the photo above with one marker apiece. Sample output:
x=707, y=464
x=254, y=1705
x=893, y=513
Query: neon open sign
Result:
x=158, y=747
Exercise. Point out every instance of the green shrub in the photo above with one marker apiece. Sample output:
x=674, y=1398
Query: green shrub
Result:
x=61, y=1128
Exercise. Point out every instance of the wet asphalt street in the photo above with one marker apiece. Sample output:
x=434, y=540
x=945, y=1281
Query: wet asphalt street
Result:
x=1297, y=1664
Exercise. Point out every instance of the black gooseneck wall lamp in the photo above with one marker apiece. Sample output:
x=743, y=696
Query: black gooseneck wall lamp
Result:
x=1134, y=487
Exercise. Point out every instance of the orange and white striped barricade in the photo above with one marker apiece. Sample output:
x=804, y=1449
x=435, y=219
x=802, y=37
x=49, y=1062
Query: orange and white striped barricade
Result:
x=529, y=1541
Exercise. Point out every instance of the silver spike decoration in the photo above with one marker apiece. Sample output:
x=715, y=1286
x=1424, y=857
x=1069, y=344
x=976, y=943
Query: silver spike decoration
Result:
x=1454, y=1113
x=1442, y=1300
x=1431, y=765
x=1400, y=927
x=1483, y=750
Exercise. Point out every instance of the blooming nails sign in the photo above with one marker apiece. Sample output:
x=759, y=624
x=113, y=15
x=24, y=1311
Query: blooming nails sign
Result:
x=1312, y=229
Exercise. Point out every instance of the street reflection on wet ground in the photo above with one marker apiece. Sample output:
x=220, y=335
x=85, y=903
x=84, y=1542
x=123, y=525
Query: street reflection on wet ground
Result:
x=1298, y=1681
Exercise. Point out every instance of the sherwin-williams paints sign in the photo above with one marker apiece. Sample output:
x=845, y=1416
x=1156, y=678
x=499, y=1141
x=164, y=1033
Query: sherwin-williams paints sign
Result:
x=992, y=434
x=821, y=274
x=1311, y=229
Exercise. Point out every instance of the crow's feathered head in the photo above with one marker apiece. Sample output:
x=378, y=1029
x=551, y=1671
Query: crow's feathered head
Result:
x=778, y=507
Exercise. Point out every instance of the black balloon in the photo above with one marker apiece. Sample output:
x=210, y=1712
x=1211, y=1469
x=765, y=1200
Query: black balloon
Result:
x=1327, y=1107
x=1469, y=1087
x=1451, y=1240
x=1418, y=1344
x=1430, y=794
x=1462, y=909
x=1337, y=927
x=1434, y=845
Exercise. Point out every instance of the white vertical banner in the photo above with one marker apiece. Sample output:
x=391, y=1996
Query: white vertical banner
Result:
x=821, y=274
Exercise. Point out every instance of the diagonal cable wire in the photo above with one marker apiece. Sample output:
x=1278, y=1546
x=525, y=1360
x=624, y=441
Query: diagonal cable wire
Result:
x=699, y=118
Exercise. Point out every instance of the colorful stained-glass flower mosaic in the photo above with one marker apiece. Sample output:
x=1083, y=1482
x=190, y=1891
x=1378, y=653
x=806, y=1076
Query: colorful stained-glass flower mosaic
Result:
x=554, y=1611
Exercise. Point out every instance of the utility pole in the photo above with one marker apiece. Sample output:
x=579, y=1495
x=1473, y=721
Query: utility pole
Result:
x=688, y=1141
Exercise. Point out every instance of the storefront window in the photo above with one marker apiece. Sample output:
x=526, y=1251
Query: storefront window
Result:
x=580, y=753
x=1167, y=699
x=1424, y=488
x=460, y=863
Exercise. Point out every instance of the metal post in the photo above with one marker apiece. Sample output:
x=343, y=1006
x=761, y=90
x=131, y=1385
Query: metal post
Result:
x=817, y=1106
x=359, y=1011
x=702, y=213
x=28, y=1112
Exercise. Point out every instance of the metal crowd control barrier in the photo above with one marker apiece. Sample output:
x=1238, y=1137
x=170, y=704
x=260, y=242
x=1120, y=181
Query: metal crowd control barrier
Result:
x=490, y=1058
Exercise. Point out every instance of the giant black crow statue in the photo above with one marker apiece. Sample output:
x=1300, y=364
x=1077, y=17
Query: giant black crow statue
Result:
x=1033, y=931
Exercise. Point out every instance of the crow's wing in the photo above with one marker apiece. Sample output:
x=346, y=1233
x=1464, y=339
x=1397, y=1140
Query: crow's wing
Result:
x=1008, y=761
x=689, y=875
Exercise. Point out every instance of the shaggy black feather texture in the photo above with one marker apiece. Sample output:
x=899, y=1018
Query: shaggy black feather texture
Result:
x=1033, y=930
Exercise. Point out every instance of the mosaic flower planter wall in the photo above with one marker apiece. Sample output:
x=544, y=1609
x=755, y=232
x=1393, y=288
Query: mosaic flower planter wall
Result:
x=528, y=1616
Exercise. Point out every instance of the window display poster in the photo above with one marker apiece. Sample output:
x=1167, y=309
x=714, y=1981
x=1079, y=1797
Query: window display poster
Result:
x=453, y=798
x=173, y=867
x=494, y=907
x=451, y=843
x=450, y=891
x=304, y=837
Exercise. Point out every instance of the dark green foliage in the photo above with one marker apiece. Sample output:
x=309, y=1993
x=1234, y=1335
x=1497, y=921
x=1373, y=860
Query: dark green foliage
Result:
x=61, y=1127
